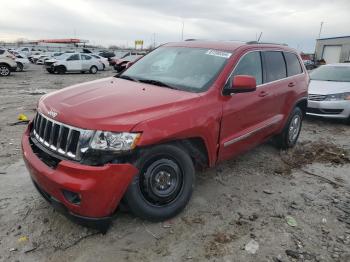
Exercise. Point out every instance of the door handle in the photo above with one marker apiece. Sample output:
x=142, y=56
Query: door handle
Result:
x=291, y=84
x=263, y=93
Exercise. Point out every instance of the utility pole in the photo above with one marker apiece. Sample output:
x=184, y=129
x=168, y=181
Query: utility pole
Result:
x=319, y=34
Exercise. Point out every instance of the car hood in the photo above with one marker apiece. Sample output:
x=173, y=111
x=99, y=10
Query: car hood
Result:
x=328, y=87
x=113, y=104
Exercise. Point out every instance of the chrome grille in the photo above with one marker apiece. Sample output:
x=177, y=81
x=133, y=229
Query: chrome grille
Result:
x=315, y=97
x=58, y=137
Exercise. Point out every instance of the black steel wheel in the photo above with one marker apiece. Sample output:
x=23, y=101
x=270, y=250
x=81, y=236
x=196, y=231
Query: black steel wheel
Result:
x=161, y=181
x=164, y=184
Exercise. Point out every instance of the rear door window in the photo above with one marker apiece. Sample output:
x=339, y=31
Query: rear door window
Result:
x=293, y=64
x=274, y=66
x=250, y=65
x=74, y=57
x=85, y=57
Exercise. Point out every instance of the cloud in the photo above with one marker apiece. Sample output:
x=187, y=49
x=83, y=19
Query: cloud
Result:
x=121, y=22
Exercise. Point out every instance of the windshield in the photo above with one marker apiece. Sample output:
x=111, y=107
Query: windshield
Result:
x=188, y=69
x=331, y=73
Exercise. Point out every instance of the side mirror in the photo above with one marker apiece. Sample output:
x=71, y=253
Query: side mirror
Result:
x=240, y=84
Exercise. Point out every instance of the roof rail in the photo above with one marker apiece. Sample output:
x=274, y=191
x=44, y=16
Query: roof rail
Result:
x=264, y=43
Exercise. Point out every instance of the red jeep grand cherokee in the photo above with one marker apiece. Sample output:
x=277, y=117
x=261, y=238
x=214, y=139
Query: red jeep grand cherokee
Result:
x=139, y=137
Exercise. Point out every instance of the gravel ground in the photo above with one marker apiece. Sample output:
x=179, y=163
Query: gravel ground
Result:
x=265, y=205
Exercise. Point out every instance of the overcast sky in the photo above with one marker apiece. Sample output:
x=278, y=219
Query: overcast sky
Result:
x=108, y=22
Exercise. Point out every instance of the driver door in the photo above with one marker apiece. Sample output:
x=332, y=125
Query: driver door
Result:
x=244, y=114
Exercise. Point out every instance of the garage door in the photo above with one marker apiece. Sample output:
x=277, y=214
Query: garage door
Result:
x=331, y=54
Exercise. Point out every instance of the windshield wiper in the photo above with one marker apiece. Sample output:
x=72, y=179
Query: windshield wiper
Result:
x=157, y=83
x=127, y=78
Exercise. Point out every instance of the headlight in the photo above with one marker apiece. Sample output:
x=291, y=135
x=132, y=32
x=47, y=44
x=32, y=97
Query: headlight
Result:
x=104, y=140
x=340, y=96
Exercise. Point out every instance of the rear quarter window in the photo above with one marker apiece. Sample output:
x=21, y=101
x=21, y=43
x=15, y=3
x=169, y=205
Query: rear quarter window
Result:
x=2, y=52
x=274, y=65
x=293, y=64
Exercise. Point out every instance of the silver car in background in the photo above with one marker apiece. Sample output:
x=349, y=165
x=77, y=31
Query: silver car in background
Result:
x=329, y=92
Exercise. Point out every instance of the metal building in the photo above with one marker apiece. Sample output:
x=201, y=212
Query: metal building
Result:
x=333, y=49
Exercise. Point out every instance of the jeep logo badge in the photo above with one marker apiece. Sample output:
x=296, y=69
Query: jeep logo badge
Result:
x=52, y=113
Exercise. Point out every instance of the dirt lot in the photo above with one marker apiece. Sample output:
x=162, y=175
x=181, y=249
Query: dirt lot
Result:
x=263, y=206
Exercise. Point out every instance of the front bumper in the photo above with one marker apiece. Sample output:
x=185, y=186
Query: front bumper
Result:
x=329, y=109
x=100, y=188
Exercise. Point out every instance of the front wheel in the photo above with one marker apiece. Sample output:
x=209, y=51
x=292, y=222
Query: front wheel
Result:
x=93, y=70
x=19, y=67
x=60, y=69
x=164, y=184
x=5, y=70
x=290, y=134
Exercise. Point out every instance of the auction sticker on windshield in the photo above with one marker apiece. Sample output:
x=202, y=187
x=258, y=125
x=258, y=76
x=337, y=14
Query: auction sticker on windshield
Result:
x=218, y=53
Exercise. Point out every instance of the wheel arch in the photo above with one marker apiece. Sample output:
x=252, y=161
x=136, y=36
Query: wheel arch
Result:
x=6, y=64
x=195, y=147
x=302, y=104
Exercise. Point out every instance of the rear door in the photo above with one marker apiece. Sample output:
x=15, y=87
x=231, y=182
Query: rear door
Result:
x=74, y=63
x=275, y=87
x=86, y=62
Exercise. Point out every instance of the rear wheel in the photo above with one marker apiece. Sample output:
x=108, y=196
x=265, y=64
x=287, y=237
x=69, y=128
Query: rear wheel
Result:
x=19, y=67
x=93, y=70
x=5, y=70
x=290, y=134
x=164, y=184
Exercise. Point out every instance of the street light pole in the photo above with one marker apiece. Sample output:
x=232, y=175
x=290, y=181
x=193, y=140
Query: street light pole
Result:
x=319, y=34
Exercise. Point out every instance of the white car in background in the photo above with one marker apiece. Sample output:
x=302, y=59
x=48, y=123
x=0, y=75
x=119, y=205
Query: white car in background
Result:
x=24, y=50
x=103, y=60
x=7, y=63
x=41, y=60
x=22, y=62
x=329, y=92
x=34, y=56
x=76, y=62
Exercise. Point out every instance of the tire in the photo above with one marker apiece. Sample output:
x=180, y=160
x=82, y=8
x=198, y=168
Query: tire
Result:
x=19, y=67
x=347, y=121
x=93, y=70
x=5, y=70
x=50, y=70
x=60, y=69
x=290, y=134
x=164, y=184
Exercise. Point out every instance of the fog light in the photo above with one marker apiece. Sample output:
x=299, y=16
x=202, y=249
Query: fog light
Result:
x=71, y=197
